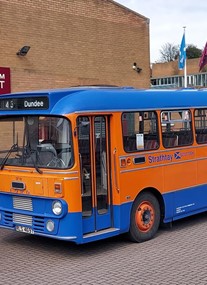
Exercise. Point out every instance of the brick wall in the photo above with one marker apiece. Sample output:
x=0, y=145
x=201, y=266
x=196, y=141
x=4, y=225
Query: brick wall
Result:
x=171, y=68
x=74, y=42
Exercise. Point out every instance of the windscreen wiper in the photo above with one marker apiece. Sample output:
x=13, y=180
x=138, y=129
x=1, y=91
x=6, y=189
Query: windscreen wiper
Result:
x=33, y=161
x=13, y=147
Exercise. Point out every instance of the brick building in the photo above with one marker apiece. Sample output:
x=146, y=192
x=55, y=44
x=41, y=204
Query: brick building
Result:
x=74, y=42
x=168, y=75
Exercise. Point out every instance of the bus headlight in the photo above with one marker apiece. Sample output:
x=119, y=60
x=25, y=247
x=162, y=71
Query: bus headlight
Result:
x=50, y=226
x=57, y=208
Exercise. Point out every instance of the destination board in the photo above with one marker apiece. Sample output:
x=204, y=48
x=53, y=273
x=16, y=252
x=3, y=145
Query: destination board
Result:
x=26, y=103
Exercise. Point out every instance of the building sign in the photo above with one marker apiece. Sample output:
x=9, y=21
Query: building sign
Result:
x=5, y=84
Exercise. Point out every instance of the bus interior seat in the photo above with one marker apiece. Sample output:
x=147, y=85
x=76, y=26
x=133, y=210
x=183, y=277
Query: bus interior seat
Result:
x=130, y=143
x=185, y=138
x=170, y=141
x=150, y=141
x=150, y=144
x=201, y=137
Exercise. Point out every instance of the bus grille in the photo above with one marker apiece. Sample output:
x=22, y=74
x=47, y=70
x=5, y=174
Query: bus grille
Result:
x=10, y=219
x=22, y=219
x=22, y=203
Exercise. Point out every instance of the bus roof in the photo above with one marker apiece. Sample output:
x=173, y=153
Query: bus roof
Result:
x=97, y=99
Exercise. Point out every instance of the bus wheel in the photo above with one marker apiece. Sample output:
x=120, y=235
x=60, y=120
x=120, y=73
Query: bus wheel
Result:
x=145, y=217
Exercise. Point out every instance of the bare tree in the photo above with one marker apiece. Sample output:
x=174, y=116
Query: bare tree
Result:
x=169, y=52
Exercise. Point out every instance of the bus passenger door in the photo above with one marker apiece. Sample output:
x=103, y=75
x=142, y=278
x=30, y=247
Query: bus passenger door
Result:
x=93, y=139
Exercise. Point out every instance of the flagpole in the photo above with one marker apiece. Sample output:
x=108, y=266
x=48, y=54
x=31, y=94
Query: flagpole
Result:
x=185, y=66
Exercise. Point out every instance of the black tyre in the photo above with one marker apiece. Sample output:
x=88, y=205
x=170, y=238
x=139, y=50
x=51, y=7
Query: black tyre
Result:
x=145, y=217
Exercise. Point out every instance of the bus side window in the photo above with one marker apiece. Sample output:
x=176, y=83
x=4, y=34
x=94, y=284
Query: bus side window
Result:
x=200, y=116
x=140, y=131
x=176, y=128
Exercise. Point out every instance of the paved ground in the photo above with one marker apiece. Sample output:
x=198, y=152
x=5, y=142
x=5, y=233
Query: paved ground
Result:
x=175, y=256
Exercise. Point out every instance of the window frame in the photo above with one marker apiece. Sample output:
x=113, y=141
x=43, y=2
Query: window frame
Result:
x=172, y=137
x=155, y=142
x=201, y=136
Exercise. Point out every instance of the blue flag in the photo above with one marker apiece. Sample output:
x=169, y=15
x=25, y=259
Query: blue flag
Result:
x=182, y=54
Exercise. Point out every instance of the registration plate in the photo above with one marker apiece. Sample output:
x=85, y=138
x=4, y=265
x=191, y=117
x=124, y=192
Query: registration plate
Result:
x=24, y=230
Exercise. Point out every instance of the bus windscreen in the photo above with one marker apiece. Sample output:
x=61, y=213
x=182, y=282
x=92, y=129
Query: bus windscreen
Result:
x=36, y=141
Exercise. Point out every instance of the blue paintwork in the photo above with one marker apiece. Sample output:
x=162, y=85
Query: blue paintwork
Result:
x=96, y=221
x=186, y=202
x=65, y=101
x=42, y=212
x=69, y=226
x=89, y=223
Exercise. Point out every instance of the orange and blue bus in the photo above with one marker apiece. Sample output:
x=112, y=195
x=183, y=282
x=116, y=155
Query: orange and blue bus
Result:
x=87, y=163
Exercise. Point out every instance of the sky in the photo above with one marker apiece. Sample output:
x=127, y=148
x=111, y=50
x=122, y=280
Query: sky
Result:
x=167, y=19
